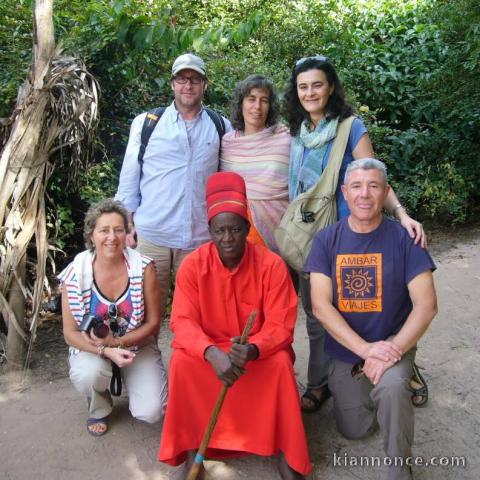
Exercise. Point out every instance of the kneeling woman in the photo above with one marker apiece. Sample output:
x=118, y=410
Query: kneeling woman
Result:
x=111, y=318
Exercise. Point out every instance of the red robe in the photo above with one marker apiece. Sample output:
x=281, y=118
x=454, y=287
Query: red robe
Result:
x=261, y=413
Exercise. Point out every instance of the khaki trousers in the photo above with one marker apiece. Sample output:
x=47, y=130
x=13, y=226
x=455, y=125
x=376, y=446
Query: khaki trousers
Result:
x=359, y=407
x=167, y=260
x=145, y=380
x=318, y=359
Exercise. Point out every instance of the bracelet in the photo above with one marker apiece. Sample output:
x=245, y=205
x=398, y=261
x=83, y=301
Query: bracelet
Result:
x=396, y=207
x=101, y=350
x=121, y=344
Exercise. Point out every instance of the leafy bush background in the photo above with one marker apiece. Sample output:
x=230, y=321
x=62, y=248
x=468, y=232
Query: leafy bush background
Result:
x=411, y=67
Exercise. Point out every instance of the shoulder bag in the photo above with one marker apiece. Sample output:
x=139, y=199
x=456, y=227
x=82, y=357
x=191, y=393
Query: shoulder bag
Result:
x=314, y=209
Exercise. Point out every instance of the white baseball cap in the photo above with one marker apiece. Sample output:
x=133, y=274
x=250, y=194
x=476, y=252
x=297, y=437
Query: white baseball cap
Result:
x=189, y=61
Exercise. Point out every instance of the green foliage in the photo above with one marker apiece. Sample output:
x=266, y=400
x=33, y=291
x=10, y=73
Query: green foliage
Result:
x=129, y=46
x=59, y=214
x=15, y=50
x=452, y=94
x=411, y=68
x=448, y=100
x=99, y=181
x=392, y=51
x=428, y=183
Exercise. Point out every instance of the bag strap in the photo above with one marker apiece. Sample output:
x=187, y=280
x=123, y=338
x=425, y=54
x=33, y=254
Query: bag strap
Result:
x=337, y=153
x=116, y=381
x=340, y=143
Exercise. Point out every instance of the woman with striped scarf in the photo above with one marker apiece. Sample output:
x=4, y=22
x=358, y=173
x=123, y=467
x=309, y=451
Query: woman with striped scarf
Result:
x=111, y=318
x=259, y=150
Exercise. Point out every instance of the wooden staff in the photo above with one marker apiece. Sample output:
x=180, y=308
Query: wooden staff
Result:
x=199, y=457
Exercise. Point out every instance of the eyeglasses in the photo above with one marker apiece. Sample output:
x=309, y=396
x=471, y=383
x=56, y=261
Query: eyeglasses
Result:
x=113, y=315
x=320, y=58
x=193, y=80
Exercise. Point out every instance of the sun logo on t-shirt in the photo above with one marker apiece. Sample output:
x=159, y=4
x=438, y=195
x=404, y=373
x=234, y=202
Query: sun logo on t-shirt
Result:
x=358, y=283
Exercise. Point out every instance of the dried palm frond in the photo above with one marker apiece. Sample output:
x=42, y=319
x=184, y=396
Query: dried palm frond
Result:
x=73, y=114
x=62, y=113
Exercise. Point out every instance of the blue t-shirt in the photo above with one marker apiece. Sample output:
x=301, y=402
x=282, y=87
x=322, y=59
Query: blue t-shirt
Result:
x=356, y=133
x=370, y=273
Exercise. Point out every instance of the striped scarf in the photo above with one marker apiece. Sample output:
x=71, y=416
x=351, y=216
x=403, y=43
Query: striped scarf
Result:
x=305, y=172
x=262, y=160
x=78, y=280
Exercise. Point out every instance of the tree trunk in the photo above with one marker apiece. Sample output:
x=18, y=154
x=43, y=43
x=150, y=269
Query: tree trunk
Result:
x=19, y=192
x=57, y=107
x=16, y=345
x=43, y=40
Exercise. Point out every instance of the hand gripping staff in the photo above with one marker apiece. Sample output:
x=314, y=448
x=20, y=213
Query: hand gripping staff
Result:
x=197, y=464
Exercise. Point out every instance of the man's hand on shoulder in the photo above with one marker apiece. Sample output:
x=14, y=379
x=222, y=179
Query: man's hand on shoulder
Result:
x=241, y=354
x=227, y=372
x=374, y=369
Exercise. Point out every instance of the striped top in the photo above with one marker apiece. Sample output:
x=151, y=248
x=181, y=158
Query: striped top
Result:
x=78, y=280
x=262, y=160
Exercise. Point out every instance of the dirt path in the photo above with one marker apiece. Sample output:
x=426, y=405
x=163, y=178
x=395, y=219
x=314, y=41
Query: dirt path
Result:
x=42, y=432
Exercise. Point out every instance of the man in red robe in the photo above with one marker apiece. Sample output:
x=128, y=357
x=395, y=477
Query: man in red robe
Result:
x=217, y=287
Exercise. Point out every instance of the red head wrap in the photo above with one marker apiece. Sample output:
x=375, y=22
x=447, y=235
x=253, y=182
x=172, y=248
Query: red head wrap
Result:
x=225, y=192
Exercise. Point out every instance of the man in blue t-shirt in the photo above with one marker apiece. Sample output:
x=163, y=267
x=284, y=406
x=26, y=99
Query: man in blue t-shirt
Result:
x=372, y=289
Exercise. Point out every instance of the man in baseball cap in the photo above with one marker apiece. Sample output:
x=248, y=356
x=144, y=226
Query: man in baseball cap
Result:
x=189, y=61
x=170, y=154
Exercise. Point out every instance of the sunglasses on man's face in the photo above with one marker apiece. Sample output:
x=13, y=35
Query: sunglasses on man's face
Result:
x=320, y=58
x=113, y=315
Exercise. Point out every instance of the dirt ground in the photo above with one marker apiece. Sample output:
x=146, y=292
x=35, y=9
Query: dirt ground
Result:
x=42, y=422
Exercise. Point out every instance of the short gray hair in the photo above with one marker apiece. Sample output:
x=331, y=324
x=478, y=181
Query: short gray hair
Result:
x=108, y=205
x=366, y=164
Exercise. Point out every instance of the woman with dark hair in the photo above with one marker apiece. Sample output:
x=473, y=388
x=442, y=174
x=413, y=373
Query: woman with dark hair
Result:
x=315, y=106
x=111, y=318
x=259, y=150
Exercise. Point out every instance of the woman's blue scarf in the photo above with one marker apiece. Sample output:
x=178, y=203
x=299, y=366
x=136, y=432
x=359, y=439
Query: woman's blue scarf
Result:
x=304, y=173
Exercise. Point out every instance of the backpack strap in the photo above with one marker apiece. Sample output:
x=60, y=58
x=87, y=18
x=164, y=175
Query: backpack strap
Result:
x=151, y=120
x=153, y=117
x=217, y=120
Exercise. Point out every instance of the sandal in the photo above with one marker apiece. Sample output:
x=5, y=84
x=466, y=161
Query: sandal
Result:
x=419, y=388
x=316, y=401
x=97, y=421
